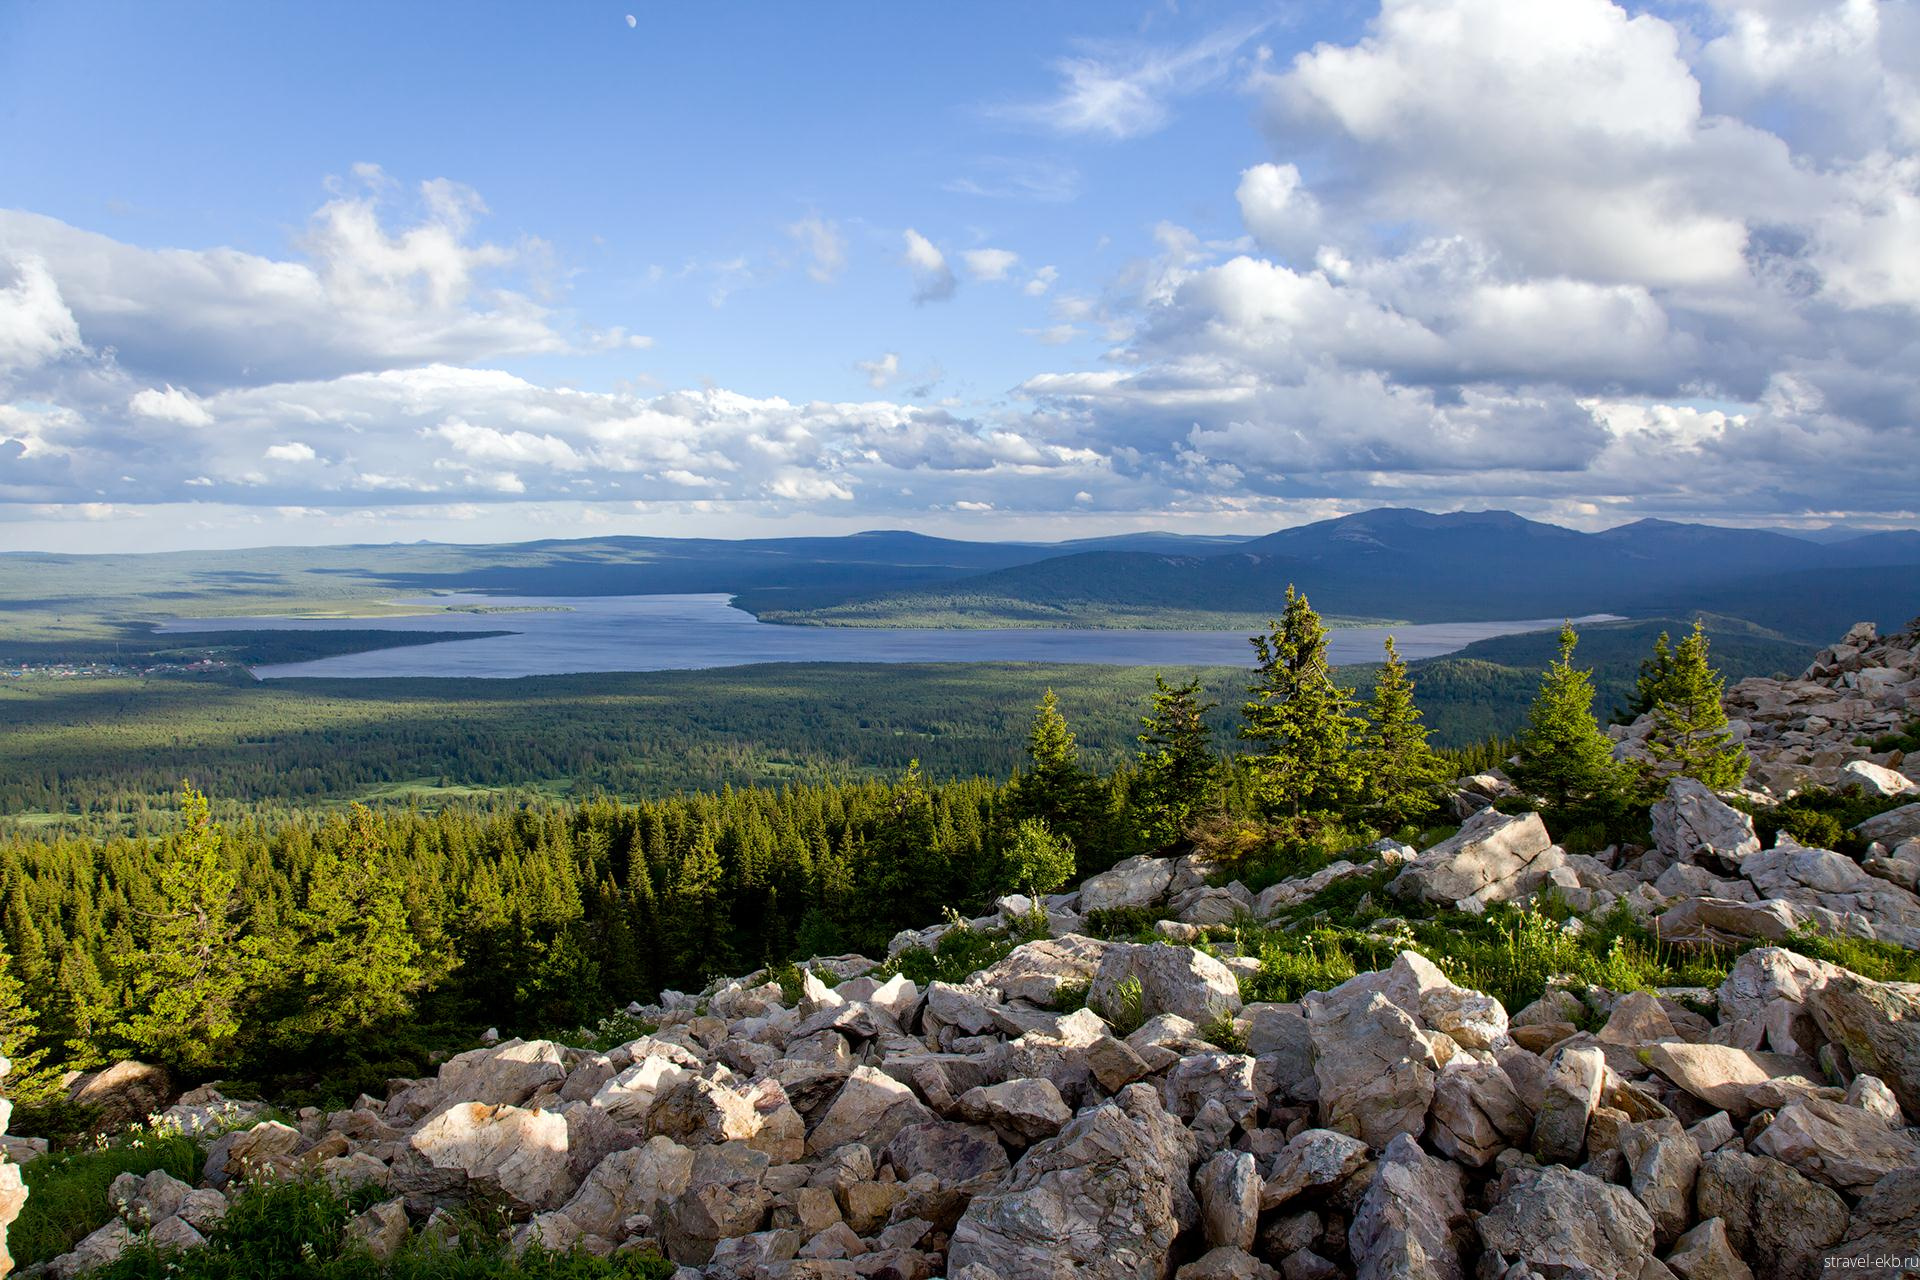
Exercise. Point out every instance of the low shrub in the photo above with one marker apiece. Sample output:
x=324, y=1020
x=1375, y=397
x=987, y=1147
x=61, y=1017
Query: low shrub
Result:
x=1821, y=819
x=960, y=951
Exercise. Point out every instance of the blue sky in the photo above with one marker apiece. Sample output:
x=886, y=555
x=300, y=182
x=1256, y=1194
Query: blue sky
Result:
x=359, y=272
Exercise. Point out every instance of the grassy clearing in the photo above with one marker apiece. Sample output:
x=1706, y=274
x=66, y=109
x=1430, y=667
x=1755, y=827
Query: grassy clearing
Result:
x=67, y=1194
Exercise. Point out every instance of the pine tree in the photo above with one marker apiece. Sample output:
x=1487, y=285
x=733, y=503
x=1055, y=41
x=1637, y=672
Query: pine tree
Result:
x=1689, y=722
x=355, y=962
x=193, y=969
x=1564, y=759
x=1403, y=774
x=1300, y=721
x=1179, y=774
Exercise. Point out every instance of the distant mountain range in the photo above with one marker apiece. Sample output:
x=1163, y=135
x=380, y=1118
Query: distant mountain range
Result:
x=1400, y=564
x=1387, y=564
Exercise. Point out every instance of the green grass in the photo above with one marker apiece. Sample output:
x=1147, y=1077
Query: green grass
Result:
x=294, y=1231
x=1511, y=954
x=1880, y=961
x=67, y=1193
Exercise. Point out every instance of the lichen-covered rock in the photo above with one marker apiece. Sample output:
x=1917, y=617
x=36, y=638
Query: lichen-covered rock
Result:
x=1885, y=1225
x=1776, y=1219
x=122, y=1094
x=1136, y=882
x=1564, y=1223
x=1845, y=1147
x=1877, y=1024
x=638, y=1180
x=1691, y=824
x=1662, y=1163
x=1020, y=1111
x=1228, y=1188
x=870, y=1108
x=1412, y=1222
x=1477, y=1113
x=1573, y=1087
x=1494, y=857
x=1705, y=1254
x=516, y=1153
x=1098, y=1201
x=1036, y=971
x=1374, y=1065
x=1314, y=1159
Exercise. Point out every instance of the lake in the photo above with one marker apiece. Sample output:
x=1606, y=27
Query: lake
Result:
x=563, y=635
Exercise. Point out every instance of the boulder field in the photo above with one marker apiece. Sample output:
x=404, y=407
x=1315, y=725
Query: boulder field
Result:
x=1399, y=1125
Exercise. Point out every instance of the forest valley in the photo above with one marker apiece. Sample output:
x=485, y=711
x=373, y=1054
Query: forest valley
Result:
x=308, y=959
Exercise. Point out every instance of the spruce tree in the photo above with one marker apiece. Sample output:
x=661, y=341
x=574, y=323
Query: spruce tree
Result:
x=30, y=1080
x=1179, y=774
x=1689, y=722
x=1301, y=722
x=1053, y=787
x=193, y=969
x=1655, y=672
x=1564, y=759
x=1403, y=775
x=355, y=961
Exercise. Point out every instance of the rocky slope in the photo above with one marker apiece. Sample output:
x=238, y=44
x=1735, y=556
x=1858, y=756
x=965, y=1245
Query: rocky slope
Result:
x=1398, y=1125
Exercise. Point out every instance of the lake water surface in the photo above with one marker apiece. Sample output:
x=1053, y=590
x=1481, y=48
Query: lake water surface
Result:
x=673, y=632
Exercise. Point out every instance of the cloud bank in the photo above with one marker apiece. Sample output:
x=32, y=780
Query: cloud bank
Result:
x=1578, y=259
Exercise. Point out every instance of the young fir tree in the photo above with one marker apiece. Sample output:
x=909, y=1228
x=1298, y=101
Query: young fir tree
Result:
x=1300, y=721
x=355, y=961
x=1053, y=787
x=1564, y=759
x=1689, y=723
x=1036, y=860
x=193, y=966
x=1403, y=774
x=1655, y=672
x=1179, y=774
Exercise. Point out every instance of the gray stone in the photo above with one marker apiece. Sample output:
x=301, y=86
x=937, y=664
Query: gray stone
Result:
x=1412, y=1222
x=1691, y=821
x=1176, y=980
x=1228, y=1187
x=1564, y=1224
x=1104, y=1200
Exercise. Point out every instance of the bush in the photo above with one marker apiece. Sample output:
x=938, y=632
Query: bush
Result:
x=960, y=951
x=1300, y=852
x=67, y=1193
x=1820, y=819
x=1037, y=861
